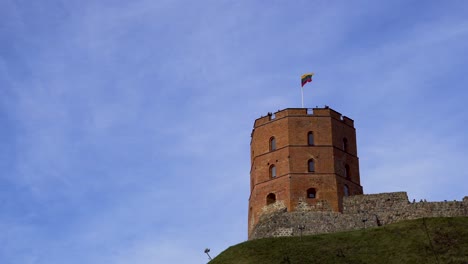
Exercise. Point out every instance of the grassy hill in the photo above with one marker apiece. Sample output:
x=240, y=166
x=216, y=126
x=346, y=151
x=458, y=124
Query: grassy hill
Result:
x=429, y=240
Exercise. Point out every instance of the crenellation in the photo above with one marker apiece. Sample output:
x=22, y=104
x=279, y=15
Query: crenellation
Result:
x=316, y=112
x=348, y=121
x=291, y=112
x=262, y=120
x=327, y=112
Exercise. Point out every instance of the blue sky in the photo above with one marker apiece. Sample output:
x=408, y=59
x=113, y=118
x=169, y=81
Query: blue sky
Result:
x=125, y=125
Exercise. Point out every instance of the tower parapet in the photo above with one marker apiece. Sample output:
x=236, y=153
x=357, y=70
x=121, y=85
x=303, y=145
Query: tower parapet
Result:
x=326, y=111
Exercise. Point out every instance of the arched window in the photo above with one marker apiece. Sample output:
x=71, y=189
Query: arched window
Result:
x=272, y=171
x=271, y=198
x=311, y=193
x=272, y=143
x=345, y=144
x=347, y=172
x=346, y=190
x=310, y=138
x=311, y=165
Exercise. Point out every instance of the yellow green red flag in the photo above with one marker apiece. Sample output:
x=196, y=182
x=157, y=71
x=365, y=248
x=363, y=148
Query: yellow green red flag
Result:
x=306, y=78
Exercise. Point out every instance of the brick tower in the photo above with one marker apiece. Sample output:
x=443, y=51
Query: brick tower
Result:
x=302, y=155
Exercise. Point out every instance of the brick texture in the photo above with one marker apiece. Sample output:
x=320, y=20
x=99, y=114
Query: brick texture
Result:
x=290, y=128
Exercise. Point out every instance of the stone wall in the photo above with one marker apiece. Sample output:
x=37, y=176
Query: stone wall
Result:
x=359, y=211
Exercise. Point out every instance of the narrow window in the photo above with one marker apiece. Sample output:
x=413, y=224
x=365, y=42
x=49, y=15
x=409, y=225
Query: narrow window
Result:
x=345, y=144
x=272, y=143
x=271, y=198
x=272, y=171
x=311, y=193
x=310, y=138
x=346, y=190
x=311, y=165
x=347, y=172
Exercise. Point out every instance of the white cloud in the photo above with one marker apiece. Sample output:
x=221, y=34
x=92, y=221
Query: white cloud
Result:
x=131, y=121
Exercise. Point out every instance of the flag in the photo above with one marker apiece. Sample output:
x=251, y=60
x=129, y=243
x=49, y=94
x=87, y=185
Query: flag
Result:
x=306, y=78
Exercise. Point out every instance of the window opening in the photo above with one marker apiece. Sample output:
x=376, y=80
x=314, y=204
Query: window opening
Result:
x=345, y=144
x=311, y=165
x=347, y=172
x=271, y=198
x=272, y=171
x=310, y=138
x=272, y=143
x=346, y=190
x=311, y=193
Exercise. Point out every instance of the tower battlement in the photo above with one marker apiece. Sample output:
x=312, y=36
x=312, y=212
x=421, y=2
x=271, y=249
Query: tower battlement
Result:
x=315, y=112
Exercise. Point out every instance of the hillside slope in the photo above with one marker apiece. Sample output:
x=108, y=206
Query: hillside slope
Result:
x=429, y=240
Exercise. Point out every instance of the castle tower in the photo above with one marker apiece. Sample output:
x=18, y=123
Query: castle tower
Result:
x=302, y=155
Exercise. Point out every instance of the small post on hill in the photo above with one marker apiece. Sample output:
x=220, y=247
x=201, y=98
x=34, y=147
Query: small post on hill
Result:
x=207, y=251
x=301, y=228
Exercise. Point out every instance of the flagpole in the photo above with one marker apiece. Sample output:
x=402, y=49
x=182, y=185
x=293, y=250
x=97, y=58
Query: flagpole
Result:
x=302, y=96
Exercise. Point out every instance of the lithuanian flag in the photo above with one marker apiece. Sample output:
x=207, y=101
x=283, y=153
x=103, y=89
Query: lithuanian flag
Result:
x=306, y=78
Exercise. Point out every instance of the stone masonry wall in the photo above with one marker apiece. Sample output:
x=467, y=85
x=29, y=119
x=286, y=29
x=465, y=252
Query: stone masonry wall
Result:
x=359, y=211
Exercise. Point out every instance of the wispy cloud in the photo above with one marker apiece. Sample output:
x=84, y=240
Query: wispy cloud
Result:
x=125, y=126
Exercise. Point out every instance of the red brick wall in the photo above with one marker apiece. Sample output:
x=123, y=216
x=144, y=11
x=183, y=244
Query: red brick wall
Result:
x=290, y=128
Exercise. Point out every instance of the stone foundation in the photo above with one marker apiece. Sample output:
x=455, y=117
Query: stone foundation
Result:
x=359, y=211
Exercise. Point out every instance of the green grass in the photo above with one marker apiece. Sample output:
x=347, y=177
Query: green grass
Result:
x=429, y=240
